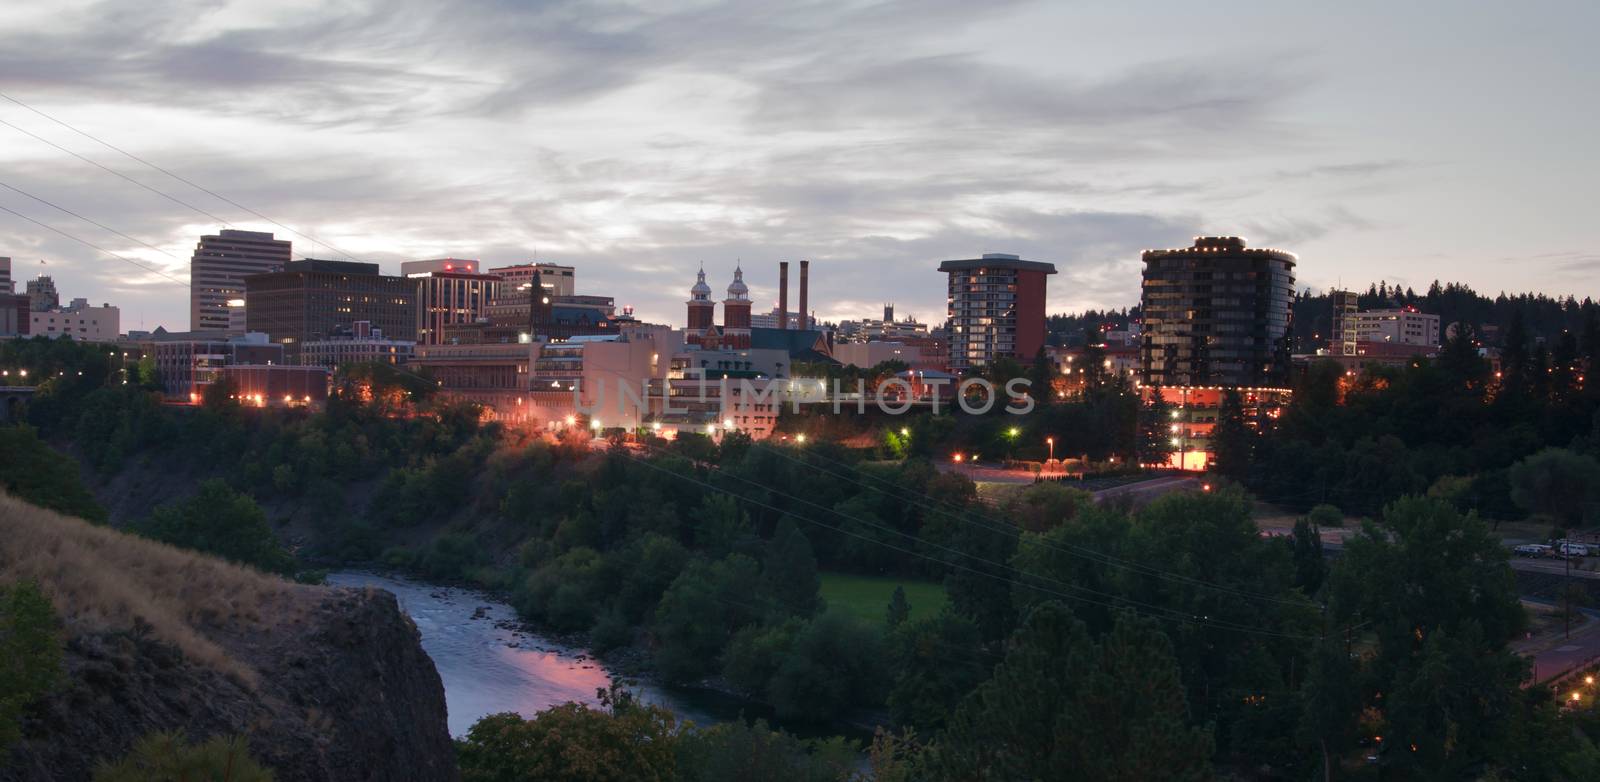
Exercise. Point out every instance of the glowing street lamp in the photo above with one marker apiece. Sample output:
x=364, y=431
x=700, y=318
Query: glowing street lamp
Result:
x=800, y=438
x=1051, y=441
x=905, y=431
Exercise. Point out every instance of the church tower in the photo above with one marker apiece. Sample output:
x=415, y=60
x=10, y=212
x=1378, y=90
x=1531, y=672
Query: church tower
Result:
x=736, y=313
x=701, y=311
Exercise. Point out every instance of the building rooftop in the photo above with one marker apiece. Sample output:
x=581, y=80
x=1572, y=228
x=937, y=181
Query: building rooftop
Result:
x=1002, y=260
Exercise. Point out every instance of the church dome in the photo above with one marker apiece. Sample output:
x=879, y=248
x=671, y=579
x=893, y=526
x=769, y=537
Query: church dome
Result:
x=701, y=291
x=737, y=289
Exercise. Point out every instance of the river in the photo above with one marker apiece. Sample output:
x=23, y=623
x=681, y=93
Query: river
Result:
x=487, y=668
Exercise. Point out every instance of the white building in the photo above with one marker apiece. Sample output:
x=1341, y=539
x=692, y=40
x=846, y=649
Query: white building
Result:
x=1404, y=326
x=78, y=321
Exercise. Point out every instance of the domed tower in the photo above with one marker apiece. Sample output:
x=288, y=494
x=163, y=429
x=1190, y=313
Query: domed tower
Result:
x=736, y=313
x=701, y=310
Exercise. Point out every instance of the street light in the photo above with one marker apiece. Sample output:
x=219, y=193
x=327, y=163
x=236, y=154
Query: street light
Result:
x=1051, y=441
x=800, y=438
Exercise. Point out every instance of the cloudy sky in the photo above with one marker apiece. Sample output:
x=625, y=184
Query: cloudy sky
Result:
x=1378, y=140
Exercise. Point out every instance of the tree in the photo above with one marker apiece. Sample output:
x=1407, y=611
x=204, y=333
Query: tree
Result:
x=899, y=607
x=170, y=757
x=218, y=520
x=1329, y=704
x=1155, y=430
x=705, y=605
x=1435, y=593
x=33, y=471
x=836, y=664
x=978, y=581
x=1559, y=484
x=936, y=661
x=791, y=570
x=30, y=655
x=1231, y=439
x=572, y=743
x=1061, y=706
x=1309, y=566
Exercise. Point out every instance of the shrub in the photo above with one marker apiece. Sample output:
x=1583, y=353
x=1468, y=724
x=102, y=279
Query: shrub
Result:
x=218, y=520
x=30, y=654
x=169, y=757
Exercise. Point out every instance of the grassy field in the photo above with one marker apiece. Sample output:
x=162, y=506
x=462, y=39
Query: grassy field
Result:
x=868, y=596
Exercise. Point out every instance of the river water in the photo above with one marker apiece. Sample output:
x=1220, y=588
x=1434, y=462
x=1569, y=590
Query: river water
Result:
x=488, y=668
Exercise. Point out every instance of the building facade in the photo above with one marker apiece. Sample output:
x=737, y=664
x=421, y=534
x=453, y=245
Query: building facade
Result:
x=1216, y=314
x=364, y=345
x=1403, y=326
x=78, y=321
x=556, y=279
x=312, y=300
x=6, y=285
x=996, y=307
x=218, y=268
x=450, y=292
x=190, y=362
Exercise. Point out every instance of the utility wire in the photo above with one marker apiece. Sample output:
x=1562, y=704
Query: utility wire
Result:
x=169, y=173
x=86, y=243
x=116, y=173
x=99, y=225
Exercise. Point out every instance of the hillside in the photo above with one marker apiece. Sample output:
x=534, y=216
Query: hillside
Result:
x=325, y=683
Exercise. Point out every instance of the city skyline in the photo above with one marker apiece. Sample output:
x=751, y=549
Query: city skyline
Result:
x=637, y=145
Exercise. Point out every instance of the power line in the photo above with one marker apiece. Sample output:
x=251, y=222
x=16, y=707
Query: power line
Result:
x=89, y=221
x=169, y=173
x=125, y=259
x=116, y=173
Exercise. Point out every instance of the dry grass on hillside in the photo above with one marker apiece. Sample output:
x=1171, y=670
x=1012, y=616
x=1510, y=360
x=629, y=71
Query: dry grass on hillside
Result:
x=101, y=579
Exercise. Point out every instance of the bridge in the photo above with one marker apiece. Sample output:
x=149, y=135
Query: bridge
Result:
x=13, y=401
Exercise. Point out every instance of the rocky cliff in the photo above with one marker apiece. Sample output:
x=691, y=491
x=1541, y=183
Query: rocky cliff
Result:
x=326, y=684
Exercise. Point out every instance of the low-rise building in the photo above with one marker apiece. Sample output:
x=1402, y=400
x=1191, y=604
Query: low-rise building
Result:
x=275, y=385
x=77, y=321
x=361, y=344
x=188, y=362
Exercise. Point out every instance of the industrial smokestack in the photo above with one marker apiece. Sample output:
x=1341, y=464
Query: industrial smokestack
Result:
x=783, y=294
x=805, y=314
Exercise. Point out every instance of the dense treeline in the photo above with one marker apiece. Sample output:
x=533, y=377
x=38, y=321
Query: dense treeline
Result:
x=1545, y=317
x=1448, y=428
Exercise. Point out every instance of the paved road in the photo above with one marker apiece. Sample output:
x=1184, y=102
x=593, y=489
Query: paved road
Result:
x=1145, y=491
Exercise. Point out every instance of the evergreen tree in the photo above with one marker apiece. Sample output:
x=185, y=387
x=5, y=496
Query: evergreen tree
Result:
x=1062, y=707
x=899, y=607
x=791, y=570
x=1155, y=430
x=1231, y=439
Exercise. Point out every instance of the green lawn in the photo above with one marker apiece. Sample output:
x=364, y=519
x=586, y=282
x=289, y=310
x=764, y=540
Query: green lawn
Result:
x=868, y=596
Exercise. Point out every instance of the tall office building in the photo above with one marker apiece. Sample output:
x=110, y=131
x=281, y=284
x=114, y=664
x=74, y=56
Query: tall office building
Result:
x=6, y=285
x=218, y=268
x=450, y=292
x=1341, y=335
x=996, y=309
x=314, y=300
x=1217, y=314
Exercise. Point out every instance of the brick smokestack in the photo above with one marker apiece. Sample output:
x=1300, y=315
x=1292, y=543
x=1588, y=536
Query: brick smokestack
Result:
x=805, y=314
x=783, y=294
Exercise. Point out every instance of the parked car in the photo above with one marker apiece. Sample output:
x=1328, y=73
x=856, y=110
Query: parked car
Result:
x=1573, y=550
x=1534, y=550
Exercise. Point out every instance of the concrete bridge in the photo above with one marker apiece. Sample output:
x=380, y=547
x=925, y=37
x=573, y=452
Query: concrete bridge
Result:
x=13, y=402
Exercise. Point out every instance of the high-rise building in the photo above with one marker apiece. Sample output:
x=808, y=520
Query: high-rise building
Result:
x=996, y=309
x=42, y=295
x=6, y=286
x=218, y=268
x=315, y=299
x=1217, y=314
x=450, y=292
